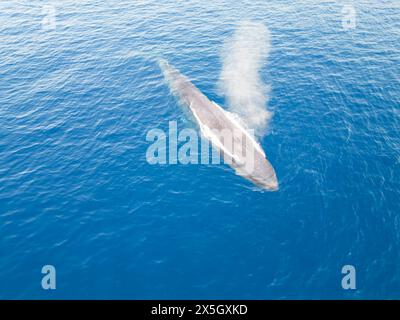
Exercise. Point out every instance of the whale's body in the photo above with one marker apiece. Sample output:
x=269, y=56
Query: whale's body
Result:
x=250, y=161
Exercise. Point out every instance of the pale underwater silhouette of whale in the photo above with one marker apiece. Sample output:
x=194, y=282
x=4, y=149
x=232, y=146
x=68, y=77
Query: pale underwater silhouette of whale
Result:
x=249, y=161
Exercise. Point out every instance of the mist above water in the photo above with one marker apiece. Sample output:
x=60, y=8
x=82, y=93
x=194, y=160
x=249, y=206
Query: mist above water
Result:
x=243, y=57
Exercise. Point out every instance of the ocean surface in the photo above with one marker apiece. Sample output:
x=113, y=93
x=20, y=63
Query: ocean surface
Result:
x=80, y=87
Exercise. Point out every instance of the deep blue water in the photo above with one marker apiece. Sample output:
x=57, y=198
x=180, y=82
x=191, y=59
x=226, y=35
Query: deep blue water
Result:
x=76, y=191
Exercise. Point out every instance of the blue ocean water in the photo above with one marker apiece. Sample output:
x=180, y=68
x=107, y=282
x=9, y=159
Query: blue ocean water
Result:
x=78, y=96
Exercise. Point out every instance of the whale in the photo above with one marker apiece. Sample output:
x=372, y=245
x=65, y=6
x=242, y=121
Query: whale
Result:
x=225, y=130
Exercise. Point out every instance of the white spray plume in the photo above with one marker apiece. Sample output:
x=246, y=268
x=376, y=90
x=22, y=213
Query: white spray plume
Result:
x=240, y=81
